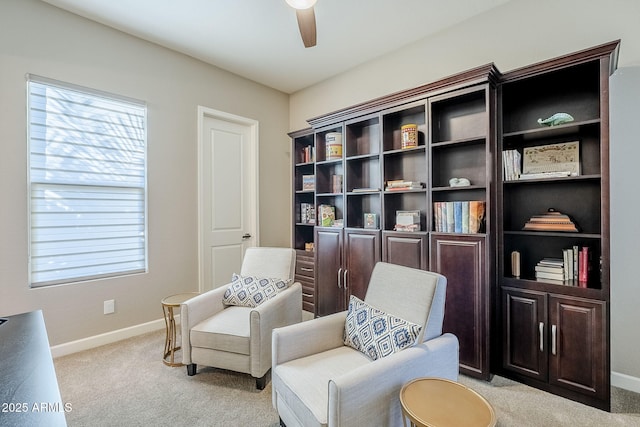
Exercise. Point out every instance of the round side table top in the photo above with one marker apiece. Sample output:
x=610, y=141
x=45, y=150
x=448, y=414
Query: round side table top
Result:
x=176, y=300
x=440, y=402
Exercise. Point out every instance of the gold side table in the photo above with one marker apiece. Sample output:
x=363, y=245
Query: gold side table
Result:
x=170, y=344
x=438, y=402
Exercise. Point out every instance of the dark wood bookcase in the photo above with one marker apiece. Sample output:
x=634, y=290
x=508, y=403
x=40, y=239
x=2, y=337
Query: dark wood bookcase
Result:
x=462, y=134
x=548, y=335
x=555, y=335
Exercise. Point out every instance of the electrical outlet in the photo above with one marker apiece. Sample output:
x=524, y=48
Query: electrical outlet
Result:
x=109, y=306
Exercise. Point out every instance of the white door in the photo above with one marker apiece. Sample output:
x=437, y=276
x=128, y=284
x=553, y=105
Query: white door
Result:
x=228, y=194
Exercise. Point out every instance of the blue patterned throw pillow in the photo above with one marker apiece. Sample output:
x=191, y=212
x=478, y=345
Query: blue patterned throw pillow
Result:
x=251, y=291
x=376, y=333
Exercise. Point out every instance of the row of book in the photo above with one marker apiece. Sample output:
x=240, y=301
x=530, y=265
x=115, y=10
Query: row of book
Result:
x=572, y=269
x=459, y=216
x=307, y=213
x=307, y=154
x=511, y=164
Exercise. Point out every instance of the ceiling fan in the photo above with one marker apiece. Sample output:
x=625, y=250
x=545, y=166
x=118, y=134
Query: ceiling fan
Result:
x=306, y=20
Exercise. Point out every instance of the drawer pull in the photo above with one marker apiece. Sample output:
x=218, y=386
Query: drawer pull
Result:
x=310, y=270
x=307, y=295
x=541, y=328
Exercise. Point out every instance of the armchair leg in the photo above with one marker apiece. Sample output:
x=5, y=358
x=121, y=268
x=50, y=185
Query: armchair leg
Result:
x=191, y=369
x=282, y=424
x=261, y=382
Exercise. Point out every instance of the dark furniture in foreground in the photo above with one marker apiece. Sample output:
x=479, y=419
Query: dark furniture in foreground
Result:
x=29, y=395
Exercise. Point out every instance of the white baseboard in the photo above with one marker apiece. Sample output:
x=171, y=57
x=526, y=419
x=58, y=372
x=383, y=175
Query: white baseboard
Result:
x=107, y=338
x=625, y=381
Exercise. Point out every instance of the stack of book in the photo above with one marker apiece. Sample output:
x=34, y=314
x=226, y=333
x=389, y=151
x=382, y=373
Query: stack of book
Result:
x=550, y=221
x=459, y=216
x=511, y=164
x=572, y=269
x=551, y=270
x=402, y=185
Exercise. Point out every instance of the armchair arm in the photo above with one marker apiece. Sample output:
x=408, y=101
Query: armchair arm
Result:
x=282, y=310
x=194, y=311
x=307, y=338
x=370, y=395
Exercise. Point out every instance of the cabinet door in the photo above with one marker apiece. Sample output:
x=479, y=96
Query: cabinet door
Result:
x=362, y=252
x=524, y=333
x=461, y=259
x=578, y=350
x=329, y=292
x=408, y=249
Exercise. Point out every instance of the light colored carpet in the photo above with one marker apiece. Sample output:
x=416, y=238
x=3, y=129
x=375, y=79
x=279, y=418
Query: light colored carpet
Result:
x=126, y=384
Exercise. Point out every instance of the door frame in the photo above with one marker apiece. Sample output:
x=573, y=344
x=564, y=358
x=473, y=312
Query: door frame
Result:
x=204, y=112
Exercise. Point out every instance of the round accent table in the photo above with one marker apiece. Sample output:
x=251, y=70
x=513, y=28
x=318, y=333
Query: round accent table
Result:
x=170, y=344
x=436, y=402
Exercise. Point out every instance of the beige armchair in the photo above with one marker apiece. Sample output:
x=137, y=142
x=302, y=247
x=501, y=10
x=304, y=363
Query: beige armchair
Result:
x=238, y=338
x=317, y=380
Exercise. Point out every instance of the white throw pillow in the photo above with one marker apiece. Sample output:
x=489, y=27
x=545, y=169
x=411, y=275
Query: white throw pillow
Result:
x=376, y=333
x=251, y=291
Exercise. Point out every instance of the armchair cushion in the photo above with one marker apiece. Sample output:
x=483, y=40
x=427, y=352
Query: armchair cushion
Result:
x=251, y=291
x=376, y=333
x=226, y=331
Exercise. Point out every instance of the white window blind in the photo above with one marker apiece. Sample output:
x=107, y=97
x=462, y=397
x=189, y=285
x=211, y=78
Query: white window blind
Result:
x=87, y=167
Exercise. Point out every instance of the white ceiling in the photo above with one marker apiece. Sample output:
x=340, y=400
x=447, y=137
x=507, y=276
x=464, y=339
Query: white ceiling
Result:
x=259, y=39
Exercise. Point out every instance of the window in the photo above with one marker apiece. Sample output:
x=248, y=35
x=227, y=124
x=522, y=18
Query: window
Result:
x=87, y=175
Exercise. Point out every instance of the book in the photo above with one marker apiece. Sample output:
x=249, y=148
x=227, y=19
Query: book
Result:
x=554, y=276
x=548, y=269
x=365, y=190
x=465, y=217
x=450, y=217
x=327, y=215
x=542, y=175
x=457, y=217
x=558, y=262
x=476, y=215
x=583, y=266
x=402, y=185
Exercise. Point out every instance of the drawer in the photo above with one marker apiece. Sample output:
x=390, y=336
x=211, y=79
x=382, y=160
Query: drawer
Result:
x=305, y=268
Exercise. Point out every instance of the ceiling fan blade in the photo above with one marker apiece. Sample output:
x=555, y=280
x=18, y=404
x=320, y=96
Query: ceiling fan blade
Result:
x=307, y=25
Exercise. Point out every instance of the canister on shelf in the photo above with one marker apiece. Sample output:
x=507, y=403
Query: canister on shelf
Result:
x=409, y=133
x=333, y=143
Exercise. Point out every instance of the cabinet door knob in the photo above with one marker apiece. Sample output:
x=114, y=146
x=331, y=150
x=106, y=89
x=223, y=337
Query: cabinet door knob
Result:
x=339, y=274
x=541, y=330
x=554, y=331
x=344, y=279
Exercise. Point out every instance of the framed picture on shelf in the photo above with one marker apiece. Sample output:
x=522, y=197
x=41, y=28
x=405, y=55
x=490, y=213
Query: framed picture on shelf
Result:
x=407, y=221
x=562, y=158
x=370, y=220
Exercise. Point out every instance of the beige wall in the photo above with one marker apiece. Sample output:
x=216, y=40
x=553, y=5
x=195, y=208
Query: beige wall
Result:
x=40, y=39
x=516, y=34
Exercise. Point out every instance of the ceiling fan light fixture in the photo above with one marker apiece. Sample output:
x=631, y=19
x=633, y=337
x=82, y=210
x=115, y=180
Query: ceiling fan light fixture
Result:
x=301, y=4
